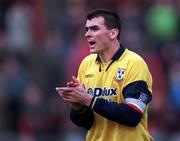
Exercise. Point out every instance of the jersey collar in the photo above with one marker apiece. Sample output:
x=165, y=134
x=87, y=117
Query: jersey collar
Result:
x=117, y=55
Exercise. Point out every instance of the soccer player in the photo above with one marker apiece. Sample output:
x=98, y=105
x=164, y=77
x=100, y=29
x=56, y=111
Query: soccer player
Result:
x=110, y=97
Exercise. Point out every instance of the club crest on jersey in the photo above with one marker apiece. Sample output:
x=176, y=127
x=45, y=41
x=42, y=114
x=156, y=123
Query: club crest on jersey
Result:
x=120, y=74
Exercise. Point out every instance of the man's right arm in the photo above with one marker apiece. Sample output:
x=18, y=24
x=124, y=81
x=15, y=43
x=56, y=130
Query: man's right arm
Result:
x=83, y=118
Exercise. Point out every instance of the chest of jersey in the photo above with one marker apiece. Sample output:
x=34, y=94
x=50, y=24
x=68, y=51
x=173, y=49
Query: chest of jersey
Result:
x=105, y=83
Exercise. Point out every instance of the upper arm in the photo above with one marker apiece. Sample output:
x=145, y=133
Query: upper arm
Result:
x=137, y=90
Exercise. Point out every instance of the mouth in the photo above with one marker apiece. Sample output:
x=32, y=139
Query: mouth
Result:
x=91, y=43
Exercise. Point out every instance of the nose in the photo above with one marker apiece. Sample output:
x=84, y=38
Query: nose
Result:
x=88, y=33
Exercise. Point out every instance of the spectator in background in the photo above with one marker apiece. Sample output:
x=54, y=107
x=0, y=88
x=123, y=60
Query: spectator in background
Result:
x=161, y=22
x=18, y=22
x=14, y=78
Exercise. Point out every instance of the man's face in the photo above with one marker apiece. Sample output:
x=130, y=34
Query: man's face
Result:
x=97, y=35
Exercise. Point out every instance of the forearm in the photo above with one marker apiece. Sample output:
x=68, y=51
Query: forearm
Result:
x=120, y=113
x=83, y=118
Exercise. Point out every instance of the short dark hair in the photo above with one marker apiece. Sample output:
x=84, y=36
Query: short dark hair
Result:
x=111, y=18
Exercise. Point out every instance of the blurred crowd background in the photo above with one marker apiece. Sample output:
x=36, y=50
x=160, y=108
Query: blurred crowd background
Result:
x=42, y=43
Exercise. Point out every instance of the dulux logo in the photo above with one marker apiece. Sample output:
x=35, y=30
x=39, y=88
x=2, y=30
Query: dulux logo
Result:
x=102, y=91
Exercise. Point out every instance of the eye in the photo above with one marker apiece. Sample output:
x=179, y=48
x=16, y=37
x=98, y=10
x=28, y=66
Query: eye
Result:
x=94, y=28
x=86, y=29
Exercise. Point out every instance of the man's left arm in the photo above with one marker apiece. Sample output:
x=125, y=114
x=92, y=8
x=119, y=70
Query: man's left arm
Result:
x=136, y=92
x=136, y=95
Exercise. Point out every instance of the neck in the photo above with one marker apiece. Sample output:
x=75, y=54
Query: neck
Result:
x=107, y=54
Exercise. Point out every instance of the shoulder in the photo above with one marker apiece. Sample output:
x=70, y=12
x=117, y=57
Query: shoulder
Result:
x=86, y=63
x=134, y=58
x=89, y=59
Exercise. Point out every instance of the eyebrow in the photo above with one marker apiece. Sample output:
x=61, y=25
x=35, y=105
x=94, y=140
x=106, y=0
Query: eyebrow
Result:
x=90, y=27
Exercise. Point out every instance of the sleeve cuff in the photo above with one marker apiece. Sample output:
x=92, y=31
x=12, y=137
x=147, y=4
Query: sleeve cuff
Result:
x=93, y=102
x=83, y=110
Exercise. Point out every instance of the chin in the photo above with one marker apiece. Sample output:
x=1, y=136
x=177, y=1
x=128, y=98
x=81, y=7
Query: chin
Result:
x=93, y=52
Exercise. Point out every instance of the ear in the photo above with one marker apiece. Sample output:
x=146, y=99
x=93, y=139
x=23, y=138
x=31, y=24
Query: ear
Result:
x=114, y=33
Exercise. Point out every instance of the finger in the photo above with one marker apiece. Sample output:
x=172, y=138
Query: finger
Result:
x=65, y=89
x=75, y=80
x=69, y=94
x=67, y=98
x=63, y=93
x=70, y=84
x=75, y=84
x=60, y=93
x=58, y=90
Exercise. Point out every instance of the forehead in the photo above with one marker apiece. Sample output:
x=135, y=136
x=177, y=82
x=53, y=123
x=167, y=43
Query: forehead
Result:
x=98, y=21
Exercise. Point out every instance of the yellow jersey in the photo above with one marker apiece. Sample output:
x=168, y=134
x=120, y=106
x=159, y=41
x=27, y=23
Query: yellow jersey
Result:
x=114, y=82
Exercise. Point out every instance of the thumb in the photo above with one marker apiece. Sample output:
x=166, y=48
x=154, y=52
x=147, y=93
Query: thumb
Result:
x=75, y=80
